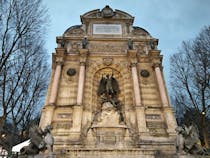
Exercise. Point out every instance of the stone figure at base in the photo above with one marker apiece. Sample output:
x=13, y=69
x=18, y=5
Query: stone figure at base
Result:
x=48, y=139
x=39, y=141
x=188, y=140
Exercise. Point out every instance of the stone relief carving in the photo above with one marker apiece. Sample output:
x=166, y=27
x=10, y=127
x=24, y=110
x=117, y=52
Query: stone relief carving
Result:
x=107, y=61
x=139, y=31
x=75, y=32
x=107, y=12
x=98, y=48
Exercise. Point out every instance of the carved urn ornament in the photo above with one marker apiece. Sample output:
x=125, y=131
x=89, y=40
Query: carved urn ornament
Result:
x=107, y=12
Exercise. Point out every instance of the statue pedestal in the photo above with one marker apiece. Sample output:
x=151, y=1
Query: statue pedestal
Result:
x=109, y=136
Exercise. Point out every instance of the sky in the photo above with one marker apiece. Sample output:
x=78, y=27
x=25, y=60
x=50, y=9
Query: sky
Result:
x=170, y=21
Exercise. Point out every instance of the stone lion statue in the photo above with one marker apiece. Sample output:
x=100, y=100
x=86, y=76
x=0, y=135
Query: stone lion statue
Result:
x=188, y=140
x=39, y=141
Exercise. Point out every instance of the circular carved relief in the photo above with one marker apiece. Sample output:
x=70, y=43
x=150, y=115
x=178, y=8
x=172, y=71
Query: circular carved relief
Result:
x=71, y=72
x=144, y=73
x=107, y=12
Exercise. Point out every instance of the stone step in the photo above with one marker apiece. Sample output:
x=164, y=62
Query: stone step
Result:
x=107, y=153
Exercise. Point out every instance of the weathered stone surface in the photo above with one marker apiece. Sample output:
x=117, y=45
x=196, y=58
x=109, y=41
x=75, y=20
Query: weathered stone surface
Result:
x=144, y=122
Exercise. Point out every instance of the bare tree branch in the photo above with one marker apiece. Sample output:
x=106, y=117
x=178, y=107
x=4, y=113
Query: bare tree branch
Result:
x=190, y=73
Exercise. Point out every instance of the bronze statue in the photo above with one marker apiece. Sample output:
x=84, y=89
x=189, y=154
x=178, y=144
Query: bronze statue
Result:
x=108, y=85
x=108, y=91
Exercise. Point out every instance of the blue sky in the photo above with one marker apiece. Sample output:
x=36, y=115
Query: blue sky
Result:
x=171, y=21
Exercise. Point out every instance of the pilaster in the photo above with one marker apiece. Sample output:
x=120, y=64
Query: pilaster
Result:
x=48, y=110
x=83, y=58
x=167, y=110
x=55, y=84
x=47, y=116
x=78, y=108
x=140, y=109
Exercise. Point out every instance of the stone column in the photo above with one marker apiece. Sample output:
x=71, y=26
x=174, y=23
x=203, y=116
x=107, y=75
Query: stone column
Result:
x=167, y=110
x=56, y=80
x=48, y=110
x=161, y=86
x=81, y=82
x=78, y=108
x=136, y=85
x=140, y=110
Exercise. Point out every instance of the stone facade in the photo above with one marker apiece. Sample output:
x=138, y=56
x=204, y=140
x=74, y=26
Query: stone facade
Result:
x=81, y=122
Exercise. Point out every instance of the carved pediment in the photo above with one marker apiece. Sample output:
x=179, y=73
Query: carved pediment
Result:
x=106, y=13
x=75, y=31
x=139, y=31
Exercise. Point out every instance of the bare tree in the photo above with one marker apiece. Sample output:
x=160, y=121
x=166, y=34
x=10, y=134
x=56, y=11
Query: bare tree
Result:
x=190, y=77
x=23, y=60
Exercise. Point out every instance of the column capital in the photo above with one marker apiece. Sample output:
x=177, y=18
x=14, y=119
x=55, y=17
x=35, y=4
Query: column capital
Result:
x=82, y=63
x=83, y=55
x=133, y=64
x=60, y=51
x=132, y=54
x=154, y=52
x=59, y=60
x=154, y=65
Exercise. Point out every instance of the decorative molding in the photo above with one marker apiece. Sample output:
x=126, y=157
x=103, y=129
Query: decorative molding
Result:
x=75, y=32
x=83, y=56
x=64, y=115
x=59, y=60
x=107, y=47
x=107, y=12
x=62, y=125
x=107, y=61
x=132, y=54
x=153, y=116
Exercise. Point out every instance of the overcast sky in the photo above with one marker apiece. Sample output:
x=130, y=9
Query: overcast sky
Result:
x=171, y=21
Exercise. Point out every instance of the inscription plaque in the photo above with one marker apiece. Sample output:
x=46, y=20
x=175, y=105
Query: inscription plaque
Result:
x=107, y=29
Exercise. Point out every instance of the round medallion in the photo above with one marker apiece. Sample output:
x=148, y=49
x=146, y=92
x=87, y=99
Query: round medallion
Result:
x=144, y=73
x=71, y=72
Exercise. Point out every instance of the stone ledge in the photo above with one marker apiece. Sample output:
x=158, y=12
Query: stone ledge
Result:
x=113, y=153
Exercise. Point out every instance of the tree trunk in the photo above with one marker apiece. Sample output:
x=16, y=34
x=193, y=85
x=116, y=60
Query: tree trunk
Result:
x=2, y=122
x=204, y=130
